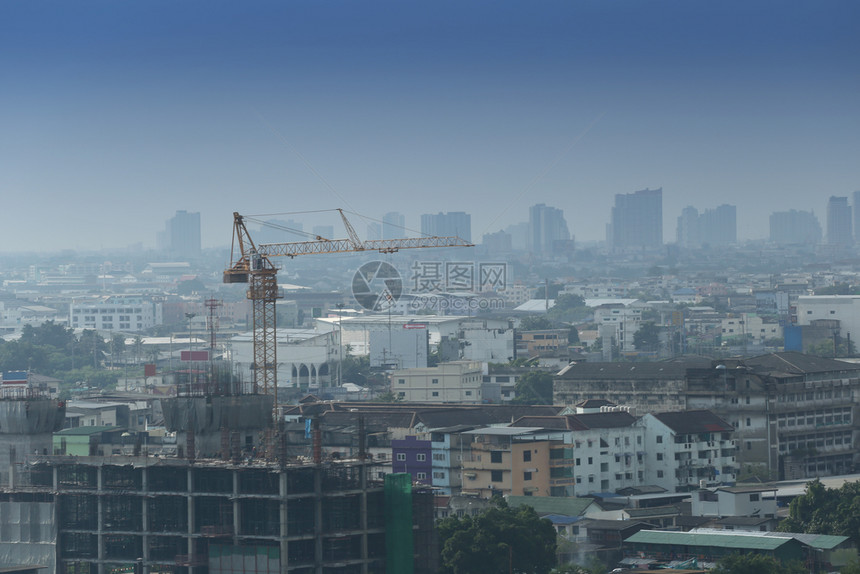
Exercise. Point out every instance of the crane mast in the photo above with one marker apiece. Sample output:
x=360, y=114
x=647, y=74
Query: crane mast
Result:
x=250, y=263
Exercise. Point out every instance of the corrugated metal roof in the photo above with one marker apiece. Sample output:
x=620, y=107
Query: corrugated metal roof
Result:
x=732, y=539
x=83, y=431
x=825, y=541
x=552, y=504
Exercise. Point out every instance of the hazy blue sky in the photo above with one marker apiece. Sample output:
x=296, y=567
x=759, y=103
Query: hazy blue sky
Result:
x=114, y=114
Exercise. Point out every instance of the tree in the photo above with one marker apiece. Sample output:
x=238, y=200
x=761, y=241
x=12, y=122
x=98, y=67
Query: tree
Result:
x=647, y=338
x=554, y=289
x=498, y=541
x=566, y=302
x=826, y=511
x=535, y=323
x=534, y=388
x=852, y=567
x=387, y=397
x=354, y=369
x=756, y=564
x=569, y=309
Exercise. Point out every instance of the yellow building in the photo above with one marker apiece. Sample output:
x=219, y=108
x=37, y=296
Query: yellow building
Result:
x=517, y=461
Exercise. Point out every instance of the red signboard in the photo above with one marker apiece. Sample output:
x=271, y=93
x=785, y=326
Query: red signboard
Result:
x=149, y=370
x=194, y=356
x=415, y=325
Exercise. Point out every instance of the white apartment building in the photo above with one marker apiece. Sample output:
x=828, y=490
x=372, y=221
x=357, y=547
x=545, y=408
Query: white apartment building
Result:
x=16, y=316
x=131, y=313
x=844, y=308
x=356, y=330
x=620, y=318
x=735, y=501
x=698, y=444
x=306, y=359
x=750, y=326
x=454, y=382
x=599, y=290
x=609, y=453
x=613, y=450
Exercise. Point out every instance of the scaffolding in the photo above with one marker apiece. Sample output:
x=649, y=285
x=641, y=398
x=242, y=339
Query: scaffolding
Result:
x=191, y=517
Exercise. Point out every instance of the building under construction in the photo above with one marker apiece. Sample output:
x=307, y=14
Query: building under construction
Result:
x=232, y=502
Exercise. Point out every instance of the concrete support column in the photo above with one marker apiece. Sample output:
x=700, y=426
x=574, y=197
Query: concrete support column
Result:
x=144, y=488
x=284, y=531
x=236, y=509
x=191, y=520
x=318, y=525
x=100, y=524
x=363, y=513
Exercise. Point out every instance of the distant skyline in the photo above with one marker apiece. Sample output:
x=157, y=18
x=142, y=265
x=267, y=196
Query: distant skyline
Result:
x=113, y=116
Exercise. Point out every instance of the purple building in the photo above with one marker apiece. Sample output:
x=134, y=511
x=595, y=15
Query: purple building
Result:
x=413, y=456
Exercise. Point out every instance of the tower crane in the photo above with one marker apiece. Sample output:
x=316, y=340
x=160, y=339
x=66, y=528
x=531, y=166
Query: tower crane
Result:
x=251, y=263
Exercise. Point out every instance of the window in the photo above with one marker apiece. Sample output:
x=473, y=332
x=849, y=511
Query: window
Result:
x=421, y=475
x=435, y=393
x=435, y=381
x=401, y=381
x=659, y=474
x=659, y=456
x=659, y=439
x=527, y=475
x=577, y=462
x=590, y=478
x=496, y=475
x=496, y=456
x=421, y=457
x=754, y=497
x=402, y=394
x=527, y=456
x=639, y=440
x=749, y=422
x=401, y=456
x=438, y=475
x=604, y=467
x=468, y=393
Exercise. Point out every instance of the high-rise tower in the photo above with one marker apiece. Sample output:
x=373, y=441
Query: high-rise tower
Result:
x=452, y=224
x=637, y=220
x=546, y=227
x=393, y=225
x=183, y=234
x=839, y=222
